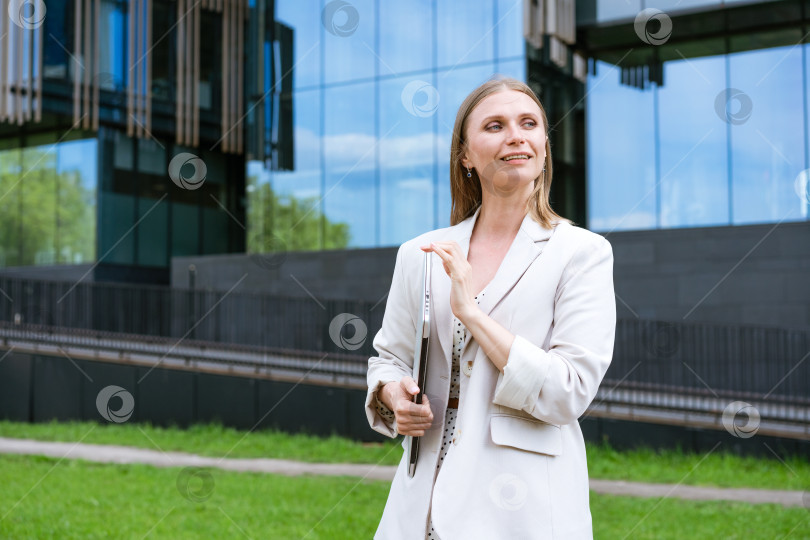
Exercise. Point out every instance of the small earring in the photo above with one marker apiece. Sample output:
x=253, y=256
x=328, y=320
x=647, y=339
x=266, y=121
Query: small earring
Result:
x=469, y=172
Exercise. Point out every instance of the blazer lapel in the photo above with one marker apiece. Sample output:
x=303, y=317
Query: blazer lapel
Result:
x=526, y=247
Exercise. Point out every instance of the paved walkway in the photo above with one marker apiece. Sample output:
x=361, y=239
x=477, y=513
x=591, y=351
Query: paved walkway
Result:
x=126, y=454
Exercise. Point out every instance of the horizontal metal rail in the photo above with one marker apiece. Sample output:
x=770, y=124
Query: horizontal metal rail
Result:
x=623, y=399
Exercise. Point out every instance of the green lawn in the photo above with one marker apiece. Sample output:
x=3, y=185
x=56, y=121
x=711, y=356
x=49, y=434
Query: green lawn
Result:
x=48, y=498
x=718, y=469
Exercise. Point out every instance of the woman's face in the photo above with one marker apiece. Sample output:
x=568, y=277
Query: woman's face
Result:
x=506, y=142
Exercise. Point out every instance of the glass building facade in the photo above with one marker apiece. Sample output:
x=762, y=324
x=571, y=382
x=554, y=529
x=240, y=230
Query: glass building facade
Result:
x=348, y=113
x=375, y=90
x=721, y=139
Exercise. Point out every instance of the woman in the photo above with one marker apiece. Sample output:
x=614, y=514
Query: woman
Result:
x=522, y=319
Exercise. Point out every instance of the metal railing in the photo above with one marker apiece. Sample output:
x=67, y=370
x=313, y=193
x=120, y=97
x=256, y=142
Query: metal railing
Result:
x=657, y=366
x=240, y=318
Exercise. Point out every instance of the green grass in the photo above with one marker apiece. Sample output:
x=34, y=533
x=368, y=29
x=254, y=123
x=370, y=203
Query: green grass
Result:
x=719, y=468
x=48, y=498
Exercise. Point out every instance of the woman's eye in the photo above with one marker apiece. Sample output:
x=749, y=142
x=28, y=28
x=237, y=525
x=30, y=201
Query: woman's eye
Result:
x=493, y=126
x=530, y=123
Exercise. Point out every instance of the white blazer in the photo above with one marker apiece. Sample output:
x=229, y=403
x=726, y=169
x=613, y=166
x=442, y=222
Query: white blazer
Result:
x=516, y=467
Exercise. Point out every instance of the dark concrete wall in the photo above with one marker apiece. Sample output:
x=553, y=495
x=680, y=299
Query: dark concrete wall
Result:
x=753, y=274
x=357, y=274
x=62, y=272
x=41, y=388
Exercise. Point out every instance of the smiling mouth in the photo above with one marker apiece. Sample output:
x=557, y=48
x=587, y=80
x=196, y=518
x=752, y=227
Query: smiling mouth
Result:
x=516, y=156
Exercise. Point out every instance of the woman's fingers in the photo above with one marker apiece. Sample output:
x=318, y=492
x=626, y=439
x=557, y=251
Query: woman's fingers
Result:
x=409, y=386
x=412, y=418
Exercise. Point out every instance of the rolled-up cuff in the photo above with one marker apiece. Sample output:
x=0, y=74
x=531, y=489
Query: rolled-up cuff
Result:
x=523, y=376
x=378, y=414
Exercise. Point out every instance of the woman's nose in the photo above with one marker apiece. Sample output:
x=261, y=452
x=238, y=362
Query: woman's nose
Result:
x=514, y=134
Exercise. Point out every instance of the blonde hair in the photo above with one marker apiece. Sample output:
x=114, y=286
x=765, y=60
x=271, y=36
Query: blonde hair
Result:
x=465, y=193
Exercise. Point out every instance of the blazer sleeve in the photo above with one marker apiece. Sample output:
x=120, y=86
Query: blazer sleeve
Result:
x=557, y=385
x=394, y=345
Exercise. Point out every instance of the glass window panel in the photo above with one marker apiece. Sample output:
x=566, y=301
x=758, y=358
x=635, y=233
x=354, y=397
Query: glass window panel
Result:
x=117, y=218
x=164, y=72
x=185, y=229
x=113, y=38
x=215, y=230
x=674, y=6
x=802, y=182
x=621, y=150
x=10, y=193
x=609, y=10
x=510, y=29
x=513, y=68
x=58, y=32
x=407, y=158
x=152, y=157
x=77, y=181
x=767, y=150
x=280, y=202
x=693, y=144
x=124, y=158
x=466, y=32
x=152, y=232
x=406, y=36
x=210, y=76
x=38, y=206
x=304, y=17
x=453, y=85
x=350, y=147
x=349, y=41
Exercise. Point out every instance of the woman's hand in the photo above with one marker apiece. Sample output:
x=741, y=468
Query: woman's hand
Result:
x=412, y=419
x=462, y=296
